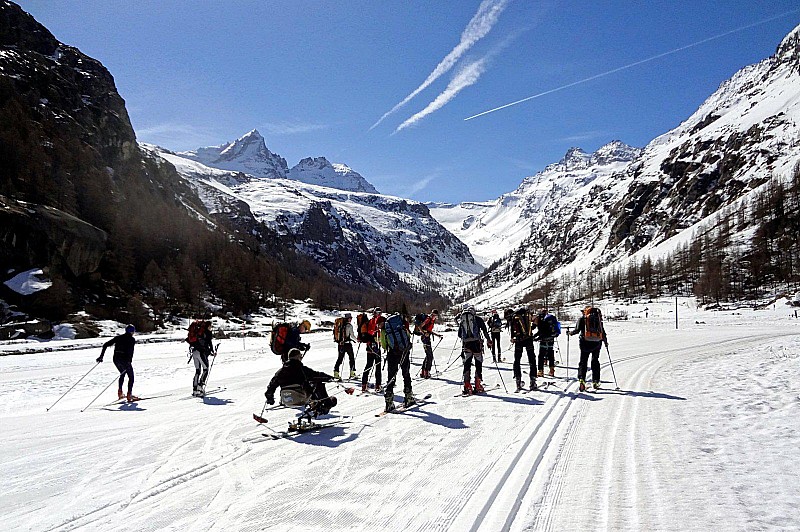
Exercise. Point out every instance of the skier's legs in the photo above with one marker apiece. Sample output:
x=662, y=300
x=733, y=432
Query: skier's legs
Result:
x=517, y=359
x=596, y=363
x=348, y=348
x=428, y=362
x=479, y=366
x=550, y=353
x=467, y=356
x=531, y=355
x=583, y=362
x=198, y=366
x=542, y=354
x=392, y=363
x=122, y=368
x=339, y=358
x=496, y=342
x=204, y=362
x=405, y=366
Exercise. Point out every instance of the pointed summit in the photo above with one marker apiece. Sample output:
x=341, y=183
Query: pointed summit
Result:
x=248, y=154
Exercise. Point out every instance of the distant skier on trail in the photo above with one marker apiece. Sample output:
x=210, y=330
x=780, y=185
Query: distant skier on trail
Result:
x=373, y=351
x=522, y=337
x=548, y=328
x=470, y=328
x=123, y=360
x=426, y=331
x=312, y=383
x=345, y=336
x=593, y=334
x=495, y=325
x=200, y=343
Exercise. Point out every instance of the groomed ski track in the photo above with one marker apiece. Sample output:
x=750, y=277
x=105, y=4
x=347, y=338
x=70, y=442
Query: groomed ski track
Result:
x=641, y=458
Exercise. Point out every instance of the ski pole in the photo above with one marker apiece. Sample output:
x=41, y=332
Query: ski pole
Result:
x=208, y=375
x=612, y=368
x=501, y=376
x=568, y=335
x=260, y=419
x=104, y=389
x=451, y=352
x=74, y=385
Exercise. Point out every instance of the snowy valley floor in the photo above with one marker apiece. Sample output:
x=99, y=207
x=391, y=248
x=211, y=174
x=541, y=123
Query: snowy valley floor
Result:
x=701, y=436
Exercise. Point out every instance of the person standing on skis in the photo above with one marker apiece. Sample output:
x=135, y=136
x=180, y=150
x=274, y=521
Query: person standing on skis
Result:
x=373, y=351
x=546, y=334
x=495, y=325
x=470, y=328
x=396, y=336
x=593, y=334
x=426, y=331
x=522, y=337
x=345, y=345
x=200, y=343
x=123, y=359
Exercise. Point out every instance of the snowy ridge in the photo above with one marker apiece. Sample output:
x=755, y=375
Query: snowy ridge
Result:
x=319, y=171
x=340, y=229
x=495, y=229
x=247, y=154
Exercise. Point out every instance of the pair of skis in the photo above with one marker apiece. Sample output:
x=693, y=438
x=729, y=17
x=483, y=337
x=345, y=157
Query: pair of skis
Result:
x=402, y=408
x=486, y=390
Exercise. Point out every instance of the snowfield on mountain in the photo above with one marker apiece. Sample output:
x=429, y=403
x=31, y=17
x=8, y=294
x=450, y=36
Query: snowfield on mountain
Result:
x=701, y=435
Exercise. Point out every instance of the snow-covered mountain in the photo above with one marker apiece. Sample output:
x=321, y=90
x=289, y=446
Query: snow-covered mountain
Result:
x=249, y=155
x=494, y=229
x=358, y=236
x=594, y=211
x=318, y=171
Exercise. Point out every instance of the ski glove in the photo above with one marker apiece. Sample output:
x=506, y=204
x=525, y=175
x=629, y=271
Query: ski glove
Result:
x=270, y=398
x=305, y=347
x=99, y=359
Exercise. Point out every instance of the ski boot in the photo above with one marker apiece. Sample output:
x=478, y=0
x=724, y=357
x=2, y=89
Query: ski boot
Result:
x=409, y=399
x=337, y=376
x=378, y=388
x=596, y=385
x=132, y=398
x=519, y=385
x=363, y=388
x=533, y=385
x=478, y=386
x=540, y=373
x=552, y=371
x=120, y=395
x=467, y=388
x=582, y=385
x=352, y=374
x=389, y=404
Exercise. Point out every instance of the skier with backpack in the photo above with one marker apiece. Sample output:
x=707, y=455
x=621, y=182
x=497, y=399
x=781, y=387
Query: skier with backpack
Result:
x=470, y=327
x=495, y=325
x=286, y=337
x=426, y=332
x=370, y=337
x=397, y=337
x=309, y=384
x=522, y=337
x=200, y=345
x=593, y=334
x=344, y=336
x=123, y=360
x=548, y=329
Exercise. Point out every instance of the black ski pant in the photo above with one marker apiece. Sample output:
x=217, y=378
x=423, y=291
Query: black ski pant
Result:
x=398, y=358
x=428, y=362
x=528, y=345
x=472, y=351
x=546, y=354
x=496, y=342
x=589, y=348
x=373, y=361
x=200, y=358
x=125, y=367
x=345, y=348
x=322, y=402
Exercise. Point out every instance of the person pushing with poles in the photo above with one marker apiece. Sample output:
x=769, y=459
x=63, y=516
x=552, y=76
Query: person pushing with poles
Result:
x=470, y=327
x=200, y=341
x=592, y=336
x=123, y=360
x=426, y=331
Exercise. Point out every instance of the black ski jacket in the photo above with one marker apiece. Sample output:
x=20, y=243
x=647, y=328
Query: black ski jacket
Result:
x=123, y=347
x=294, y=372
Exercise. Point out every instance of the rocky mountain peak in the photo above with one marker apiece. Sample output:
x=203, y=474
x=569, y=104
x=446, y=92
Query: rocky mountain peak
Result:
x=248, y=154
x=789, y=49
x=615, y=151
x=320, y=171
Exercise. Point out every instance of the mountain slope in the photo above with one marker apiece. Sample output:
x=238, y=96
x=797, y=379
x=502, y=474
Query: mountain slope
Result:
x=356, y=236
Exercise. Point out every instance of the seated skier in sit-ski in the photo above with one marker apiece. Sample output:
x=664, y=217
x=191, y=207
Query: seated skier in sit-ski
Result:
x=294, y=375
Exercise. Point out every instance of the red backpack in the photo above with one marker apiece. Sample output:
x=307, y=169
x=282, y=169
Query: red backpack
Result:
x=277, y=340
x=196, y=329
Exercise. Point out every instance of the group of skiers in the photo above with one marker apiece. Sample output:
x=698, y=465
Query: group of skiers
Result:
x=393, y=335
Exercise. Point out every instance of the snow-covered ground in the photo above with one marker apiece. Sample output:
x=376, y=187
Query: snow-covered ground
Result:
x=701, y=436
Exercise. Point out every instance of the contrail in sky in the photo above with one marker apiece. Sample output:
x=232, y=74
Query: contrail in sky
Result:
x=467, y=76
x=631, y=65
x=480, y=25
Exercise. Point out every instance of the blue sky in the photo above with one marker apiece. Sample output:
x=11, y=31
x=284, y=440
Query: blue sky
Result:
x=316, y=77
